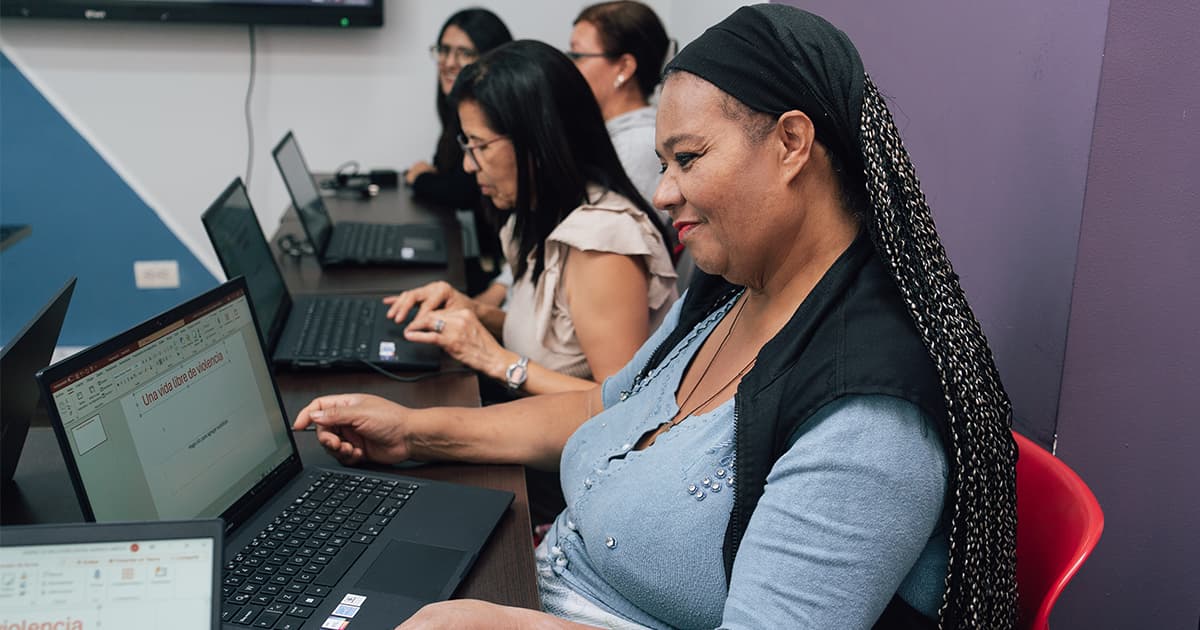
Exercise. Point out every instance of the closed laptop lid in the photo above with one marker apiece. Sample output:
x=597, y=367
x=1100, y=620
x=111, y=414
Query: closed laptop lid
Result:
x=238, y=239
x=26, y=353
x=133, y=576
x=176, y=418
x=306, y=197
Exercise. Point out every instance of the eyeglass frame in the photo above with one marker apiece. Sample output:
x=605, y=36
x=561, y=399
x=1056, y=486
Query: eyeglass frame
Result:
x=469, y=149
x=464, y=56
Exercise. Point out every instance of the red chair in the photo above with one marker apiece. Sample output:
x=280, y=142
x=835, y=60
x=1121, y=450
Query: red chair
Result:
x=1058, y=524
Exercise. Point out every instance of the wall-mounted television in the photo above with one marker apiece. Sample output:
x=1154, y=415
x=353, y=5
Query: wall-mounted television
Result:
x=340, y=13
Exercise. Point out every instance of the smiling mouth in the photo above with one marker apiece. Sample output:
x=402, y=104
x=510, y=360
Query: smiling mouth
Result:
x=683, y=228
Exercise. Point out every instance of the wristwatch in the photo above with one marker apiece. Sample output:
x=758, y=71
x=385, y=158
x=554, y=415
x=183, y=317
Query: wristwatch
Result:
x=516, y=374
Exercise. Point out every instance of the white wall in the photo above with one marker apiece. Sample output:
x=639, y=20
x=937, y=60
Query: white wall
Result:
x=163, y=103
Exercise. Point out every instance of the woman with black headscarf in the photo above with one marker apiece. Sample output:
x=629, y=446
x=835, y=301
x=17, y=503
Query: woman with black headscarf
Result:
x=817, y=436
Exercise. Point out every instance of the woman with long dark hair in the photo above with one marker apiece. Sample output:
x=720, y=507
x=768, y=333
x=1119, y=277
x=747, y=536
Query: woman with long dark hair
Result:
x=593, y=273
x=463, y=38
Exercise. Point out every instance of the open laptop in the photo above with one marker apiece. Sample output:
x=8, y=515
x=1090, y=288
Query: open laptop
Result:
x=349, y=243
x=133, y=576
x=179, y=418
x=309, y=331
x=27, y=353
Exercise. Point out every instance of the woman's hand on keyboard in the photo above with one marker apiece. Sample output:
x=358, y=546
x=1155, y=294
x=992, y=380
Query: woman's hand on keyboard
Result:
x=462, y=336
x=431, y=297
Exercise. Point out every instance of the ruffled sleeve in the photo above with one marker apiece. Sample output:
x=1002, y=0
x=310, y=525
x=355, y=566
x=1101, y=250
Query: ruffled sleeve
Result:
x=610, y=224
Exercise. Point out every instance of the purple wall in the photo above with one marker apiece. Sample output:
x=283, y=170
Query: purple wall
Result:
x=996, y=103
x=1001, y=106
x=1129, y=421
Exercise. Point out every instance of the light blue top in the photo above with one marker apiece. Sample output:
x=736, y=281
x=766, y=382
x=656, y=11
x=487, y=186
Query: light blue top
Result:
x=850, y=514
x=632, y=135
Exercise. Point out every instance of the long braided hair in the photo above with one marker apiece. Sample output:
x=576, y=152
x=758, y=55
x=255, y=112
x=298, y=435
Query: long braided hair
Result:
x=774, y=58
x=981, y=588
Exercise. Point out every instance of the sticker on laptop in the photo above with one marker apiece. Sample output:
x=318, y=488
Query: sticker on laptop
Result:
x=335, y=623
x=354, y=600
x=407, y=253
x=346, y=610
x=387, y=350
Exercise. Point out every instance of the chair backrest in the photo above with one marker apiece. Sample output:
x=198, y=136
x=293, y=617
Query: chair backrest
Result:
x=1058, y=524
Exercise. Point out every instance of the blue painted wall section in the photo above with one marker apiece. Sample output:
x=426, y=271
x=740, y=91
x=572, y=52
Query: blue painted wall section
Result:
x=86, y=222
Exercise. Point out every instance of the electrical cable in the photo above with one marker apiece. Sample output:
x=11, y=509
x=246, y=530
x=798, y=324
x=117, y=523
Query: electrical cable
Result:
x=418, y=377
x=249, y=118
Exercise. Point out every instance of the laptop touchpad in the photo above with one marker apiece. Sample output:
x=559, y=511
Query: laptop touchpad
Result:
x=412, y=569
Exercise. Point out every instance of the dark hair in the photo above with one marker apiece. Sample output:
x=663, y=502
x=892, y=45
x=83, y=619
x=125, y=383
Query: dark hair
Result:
x=486, y=31
x=631, y=27
x=533, y=94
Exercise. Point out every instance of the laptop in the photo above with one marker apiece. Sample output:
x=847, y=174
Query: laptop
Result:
x=310, y=331
x=179, y=418
x=133, y=576
x=351, y=243
x=27, y=353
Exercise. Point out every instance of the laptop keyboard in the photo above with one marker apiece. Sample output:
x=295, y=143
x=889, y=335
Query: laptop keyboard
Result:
x=280, y=578
x=338, y=328
x=372, y=241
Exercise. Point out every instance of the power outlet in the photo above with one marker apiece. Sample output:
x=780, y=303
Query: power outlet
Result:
x=156, y=274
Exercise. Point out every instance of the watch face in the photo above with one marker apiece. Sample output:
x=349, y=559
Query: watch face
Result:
x=516, y=373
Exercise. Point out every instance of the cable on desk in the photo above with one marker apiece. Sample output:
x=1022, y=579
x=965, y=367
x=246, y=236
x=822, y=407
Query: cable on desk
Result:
x=418, y=377
x=249, y=118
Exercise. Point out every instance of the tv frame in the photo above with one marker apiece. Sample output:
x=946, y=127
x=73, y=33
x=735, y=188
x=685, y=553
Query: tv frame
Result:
x=266, y=12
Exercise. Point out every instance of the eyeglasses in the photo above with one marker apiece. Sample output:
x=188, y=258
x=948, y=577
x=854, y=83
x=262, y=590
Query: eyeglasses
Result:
x=461, y=55
x=469, y=148
x=576, y=56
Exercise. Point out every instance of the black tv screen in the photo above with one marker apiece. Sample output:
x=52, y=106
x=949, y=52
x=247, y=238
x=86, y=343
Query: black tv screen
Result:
x=343, y=13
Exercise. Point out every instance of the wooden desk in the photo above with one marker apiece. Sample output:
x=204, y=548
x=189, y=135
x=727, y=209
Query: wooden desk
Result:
x=304, y=275
x=504, y=573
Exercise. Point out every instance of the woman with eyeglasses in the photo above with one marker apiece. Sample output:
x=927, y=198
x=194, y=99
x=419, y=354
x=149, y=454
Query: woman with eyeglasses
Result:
x=593, y=274
x=620, y=48
x=465, y=35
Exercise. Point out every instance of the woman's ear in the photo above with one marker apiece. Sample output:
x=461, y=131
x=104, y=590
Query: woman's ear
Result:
x=626, y=68
x=796, y=134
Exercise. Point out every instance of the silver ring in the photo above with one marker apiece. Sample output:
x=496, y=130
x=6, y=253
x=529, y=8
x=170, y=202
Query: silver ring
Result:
x=439, y=325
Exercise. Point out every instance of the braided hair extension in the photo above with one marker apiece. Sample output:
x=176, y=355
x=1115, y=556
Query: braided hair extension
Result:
x=773, y=58
x=981, y=588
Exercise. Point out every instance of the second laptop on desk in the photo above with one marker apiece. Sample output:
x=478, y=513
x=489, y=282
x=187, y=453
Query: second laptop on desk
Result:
x=348, y=243
x=180, y=418
x=311, y=331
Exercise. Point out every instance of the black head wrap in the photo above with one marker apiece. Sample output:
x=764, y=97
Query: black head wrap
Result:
x=775, y=58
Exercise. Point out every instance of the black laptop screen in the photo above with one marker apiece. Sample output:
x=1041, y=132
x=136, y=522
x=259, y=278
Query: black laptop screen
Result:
x=21, y=358
x=305, y=195
x=243, y=250
x=178, y=424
